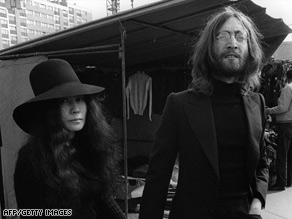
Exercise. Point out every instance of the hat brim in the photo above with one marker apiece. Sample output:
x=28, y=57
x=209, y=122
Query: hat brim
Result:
x=23, y=112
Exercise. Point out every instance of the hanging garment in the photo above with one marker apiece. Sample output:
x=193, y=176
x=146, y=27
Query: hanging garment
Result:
x=138, y=88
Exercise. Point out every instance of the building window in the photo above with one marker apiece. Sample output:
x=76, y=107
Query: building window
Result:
x=29, y=12
x=50, y=8
x=4, y=31
x=43, y=6
x=3, y=11
x=78, y=12
x=23, y=22
x=71, y=10
x=43, y=15
x=71, y=18
x=5, y=43
x=57, y=20
x=65, y=13
x=36, y=4
x=12, y=18
x=37, y=14
x=37, y=32
x=57, y=27
x=79, y=20
x=56, y=11
x=65, y=22
x=13, y=38
x=51, y=17
x=12, y=27
x=24, y=39
x=23, y=31
x=3, y=22
x=29, y=2
x=12, y=30
x=30, y=22
x=22, y=13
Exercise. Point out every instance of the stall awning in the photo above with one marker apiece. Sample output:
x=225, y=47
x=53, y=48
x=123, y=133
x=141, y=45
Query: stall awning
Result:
x=158, y=34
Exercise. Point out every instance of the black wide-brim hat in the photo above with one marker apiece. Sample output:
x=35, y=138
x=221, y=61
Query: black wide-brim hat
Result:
x=51, y=79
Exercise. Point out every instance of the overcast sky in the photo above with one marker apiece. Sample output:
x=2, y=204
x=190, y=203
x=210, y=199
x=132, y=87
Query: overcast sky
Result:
x=275, y=8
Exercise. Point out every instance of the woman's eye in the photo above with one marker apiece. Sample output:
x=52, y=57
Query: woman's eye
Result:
x=64, y=100
x=79, y=99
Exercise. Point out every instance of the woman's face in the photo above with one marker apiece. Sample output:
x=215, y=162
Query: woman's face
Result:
x=73, y=113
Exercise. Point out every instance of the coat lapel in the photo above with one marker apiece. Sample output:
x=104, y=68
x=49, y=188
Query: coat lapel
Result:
x=200, y=117
x=254, y=118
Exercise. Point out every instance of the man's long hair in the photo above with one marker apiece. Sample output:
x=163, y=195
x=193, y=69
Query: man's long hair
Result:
x=58, y=162
x=203, y=58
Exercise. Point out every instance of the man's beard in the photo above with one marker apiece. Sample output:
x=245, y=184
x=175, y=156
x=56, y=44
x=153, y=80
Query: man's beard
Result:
x=229, y=68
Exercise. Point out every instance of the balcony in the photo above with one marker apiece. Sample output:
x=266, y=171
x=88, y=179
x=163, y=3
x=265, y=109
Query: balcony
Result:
x=12, y=22
x=13, y=42
x=3, y=15
x=23, y=24
x=13, y=32
x=23, y=14
x=4, y=35
x=11, y=11
x=4, y=25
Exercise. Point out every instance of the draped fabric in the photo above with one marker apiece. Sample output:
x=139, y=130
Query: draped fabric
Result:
x=14, y=90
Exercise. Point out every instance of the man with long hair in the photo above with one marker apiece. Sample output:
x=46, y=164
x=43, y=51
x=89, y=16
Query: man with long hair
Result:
x=216, y=128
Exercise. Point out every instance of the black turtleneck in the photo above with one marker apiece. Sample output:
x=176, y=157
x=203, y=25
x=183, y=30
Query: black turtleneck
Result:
x=231, y=132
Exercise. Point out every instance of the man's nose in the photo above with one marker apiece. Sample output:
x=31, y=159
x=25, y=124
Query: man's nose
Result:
x=232, y=43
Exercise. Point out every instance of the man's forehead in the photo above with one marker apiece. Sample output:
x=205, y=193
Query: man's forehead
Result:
x=232, y=24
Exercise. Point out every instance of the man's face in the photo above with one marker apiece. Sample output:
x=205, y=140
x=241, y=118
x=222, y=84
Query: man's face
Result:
x=231, y=49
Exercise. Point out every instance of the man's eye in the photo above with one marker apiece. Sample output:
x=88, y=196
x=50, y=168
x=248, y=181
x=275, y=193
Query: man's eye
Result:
x=223, y=36
x=240, y=37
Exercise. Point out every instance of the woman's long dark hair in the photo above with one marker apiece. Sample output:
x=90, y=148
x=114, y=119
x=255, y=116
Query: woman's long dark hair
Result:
x=203, y=57
x=58, y=161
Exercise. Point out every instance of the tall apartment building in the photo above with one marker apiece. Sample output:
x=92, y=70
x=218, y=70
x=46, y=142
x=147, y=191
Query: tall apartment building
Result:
x=23, y=20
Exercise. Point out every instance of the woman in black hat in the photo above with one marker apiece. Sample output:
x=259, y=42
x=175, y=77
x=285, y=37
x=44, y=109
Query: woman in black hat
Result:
x=69, y=165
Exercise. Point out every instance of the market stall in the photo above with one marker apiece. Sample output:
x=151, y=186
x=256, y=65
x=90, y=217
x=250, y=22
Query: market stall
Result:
x=155, y=39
